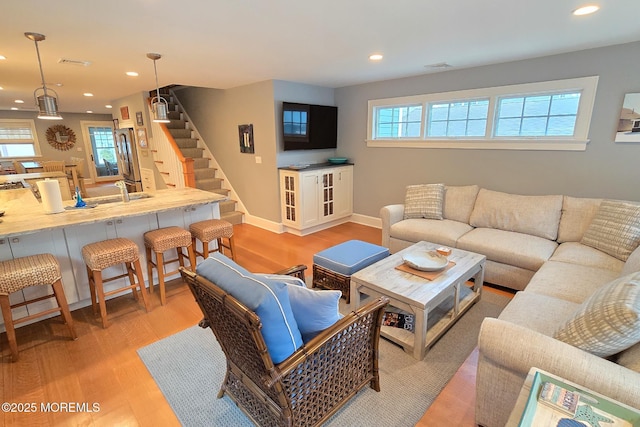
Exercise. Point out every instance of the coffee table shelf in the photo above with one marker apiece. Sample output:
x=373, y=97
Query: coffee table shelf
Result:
x=436, y=304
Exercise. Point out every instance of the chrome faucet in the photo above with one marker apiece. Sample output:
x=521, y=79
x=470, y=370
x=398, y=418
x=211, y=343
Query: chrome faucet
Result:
x=123, y=190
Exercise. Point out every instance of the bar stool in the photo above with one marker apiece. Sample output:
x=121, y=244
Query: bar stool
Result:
x=108, y=253
x=34, y=270
x=209, y=230
x=160, y=241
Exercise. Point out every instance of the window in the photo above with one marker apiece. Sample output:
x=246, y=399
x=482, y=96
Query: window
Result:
x=458, y=119
x=553, y=115
x=399, y=121
x=18, y=139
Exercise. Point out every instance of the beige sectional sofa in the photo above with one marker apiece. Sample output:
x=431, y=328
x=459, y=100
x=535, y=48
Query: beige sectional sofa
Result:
x=558, y=251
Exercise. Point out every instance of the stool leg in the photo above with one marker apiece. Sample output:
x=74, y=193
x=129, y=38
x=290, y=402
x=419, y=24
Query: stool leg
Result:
x=149, y=267
x=97, y=275
x=5, y=305
x=192, y=258
x=143, y=290
x=92, y=289
x=160, y=268
x=232, y=248
x=132, y=282
x=58, y=291
x=205, y=250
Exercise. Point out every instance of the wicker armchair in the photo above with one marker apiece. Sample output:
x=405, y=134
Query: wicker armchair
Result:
x=310, y=385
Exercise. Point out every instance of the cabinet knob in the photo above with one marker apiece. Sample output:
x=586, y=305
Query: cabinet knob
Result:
x=15, y=240
x=119, y=221
x=1, y=241
x=109, y=222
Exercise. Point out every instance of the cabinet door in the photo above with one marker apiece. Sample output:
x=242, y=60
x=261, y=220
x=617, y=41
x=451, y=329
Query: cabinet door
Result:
x=50, y=241
x=309, y=199
x=290, y=198
x=343, y=192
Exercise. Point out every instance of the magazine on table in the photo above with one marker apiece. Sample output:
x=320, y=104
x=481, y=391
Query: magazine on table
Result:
x=398, y=319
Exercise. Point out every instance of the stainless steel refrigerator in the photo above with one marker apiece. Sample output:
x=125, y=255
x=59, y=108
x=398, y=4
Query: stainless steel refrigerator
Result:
x=128, y=159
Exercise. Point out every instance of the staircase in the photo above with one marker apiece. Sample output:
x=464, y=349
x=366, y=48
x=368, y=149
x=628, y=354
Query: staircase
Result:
x=188, y=142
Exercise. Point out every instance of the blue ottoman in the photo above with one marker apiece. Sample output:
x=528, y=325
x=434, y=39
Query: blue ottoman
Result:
x=333, y=267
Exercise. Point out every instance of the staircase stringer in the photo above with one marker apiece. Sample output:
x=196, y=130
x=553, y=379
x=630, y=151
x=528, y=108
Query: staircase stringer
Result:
x=213, y=163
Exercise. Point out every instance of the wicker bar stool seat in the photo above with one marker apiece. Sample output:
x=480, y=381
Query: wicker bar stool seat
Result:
x=20, y=273
x=108, y=253
x=212, y=230
x=161, y=240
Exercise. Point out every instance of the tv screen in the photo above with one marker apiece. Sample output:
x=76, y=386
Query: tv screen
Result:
x=309, y=127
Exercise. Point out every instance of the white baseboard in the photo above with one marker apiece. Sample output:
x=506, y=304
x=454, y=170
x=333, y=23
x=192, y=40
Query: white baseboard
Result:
x=371, y=221
x=280, y=228
x=265, y=224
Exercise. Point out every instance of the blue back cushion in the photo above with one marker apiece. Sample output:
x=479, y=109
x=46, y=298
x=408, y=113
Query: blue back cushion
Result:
x=269, y=299
x=314, y=310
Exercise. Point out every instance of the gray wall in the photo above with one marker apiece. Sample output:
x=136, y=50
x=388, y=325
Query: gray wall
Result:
x=606, y=169
x=71, y=120
x=217, y=114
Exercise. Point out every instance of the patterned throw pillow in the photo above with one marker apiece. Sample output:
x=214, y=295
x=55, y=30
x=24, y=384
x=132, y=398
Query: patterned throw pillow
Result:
x=424, y=201
x=615, y=229
x=609, y=321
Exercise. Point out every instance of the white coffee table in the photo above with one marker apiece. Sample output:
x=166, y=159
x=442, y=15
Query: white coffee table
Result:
x=436, y=304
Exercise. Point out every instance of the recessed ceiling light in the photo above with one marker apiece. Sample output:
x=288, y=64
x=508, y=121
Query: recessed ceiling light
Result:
x=2, y=57
x=59, y=85
x=1, y=88
x=14, y=108
x=375, y=57
x=89, y=111
x=131, y=74
x=108, y=106
x=19, y=101
x=87, y=94
x=586, y=10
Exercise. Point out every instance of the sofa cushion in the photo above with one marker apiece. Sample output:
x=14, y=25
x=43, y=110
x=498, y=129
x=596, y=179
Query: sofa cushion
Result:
x=269, y=299
x=459, y=202
x=535, y=215
x=608, y=321
x=571, y=282
x=517, y=249
x=630, y=358
x=577, y=214
x=615, y=229
x=444, y=232
x=540, y=313
x=424, y=201
x=577, y=253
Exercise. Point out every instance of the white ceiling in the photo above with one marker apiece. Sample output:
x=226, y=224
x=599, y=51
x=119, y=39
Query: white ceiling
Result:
x=223, y=44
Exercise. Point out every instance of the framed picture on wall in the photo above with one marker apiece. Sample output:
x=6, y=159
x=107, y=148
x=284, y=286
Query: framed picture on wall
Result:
x=245, y=133
x=142, y=137
x=124, y=113
x=139, y=121
x=629, y=122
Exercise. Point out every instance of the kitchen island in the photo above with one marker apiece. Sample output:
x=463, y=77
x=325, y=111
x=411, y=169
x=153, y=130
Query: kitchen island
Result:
x=26, y=230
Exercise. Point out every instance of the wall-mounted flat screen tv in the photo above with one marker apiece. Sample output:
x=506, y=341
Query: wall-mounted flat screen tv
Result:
x=309, y=127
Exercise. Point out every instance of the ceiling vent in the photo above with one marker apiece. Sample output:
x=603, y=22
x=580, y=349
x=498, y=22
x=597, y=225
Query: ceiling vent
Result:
x=74, y=62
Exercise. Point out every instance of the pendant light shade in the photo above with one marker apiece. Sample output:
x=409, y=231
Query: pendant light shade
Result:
x=47, y=104
x=159, y=105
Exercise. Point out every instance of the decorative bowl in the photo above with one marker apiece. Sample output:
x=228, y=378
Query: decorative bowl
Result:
x=425, y=260
x=337, y=160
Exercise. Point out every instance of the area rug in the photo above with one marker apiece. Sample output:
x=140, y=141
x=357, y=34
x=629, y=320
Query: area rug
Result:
x=189, y=368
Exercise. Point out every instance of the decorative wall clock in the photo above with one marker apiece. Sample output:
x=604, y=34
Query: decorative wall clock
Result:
x=61, y=137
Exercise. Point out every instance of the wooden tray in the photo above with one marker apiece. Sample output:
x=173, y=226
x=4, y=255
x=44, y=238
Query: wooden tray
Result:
x=429, y=275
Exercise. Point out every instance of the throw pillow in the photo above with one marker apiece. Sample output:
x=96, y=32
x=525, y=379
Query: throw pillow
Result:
x=424, y=201
x=314, y=310
x=615, y=230
x=269, y=299
x=608, y=321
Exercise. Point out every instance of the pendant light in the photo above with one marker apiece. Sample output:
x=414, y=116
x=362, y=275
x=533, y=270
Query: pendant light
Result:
x=47, y=104
x=159, y=105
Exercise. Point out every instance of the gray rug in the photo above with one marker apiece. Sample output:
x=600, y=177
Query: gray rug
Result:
x=189, y=368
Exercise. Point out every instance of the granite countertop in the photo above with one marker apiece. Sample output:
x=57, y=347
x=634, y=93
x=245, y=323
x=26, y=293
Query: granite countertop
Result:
x=24, y=214
x=313, y=166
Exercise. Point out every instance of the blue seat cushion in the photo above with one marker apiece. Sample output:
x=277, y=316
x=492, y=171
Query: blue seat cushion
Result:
x=350, y=257
x=314, y=310
x=269, y=299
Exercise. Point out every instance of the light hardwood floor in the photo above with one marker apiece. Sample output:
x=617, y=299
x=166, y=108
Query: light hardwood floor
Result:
x=102, y=365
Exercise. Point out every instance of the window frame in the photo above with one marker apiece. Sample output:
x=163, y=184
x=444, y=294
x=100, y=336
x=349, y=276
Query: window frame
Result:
x=587, y=87
x=33, y=141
